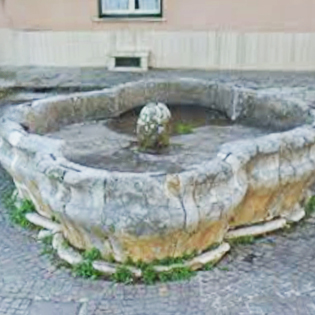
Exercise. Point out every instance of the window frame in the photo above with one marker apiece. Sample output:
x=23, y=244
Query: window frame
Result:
x=131, y=13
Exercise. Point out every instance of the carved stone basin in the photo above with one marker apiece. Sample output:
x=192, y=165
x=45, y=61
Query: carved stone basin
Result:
x=155, y=212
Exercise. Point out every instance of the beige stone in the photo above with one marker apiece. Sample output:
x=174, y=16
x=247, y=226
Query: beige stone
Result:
x=104, y=267
x=257, y=229
x=296, y=215
x=212, y=256
x=108, y=268
x=43, y=222
x=43, y=234
x=168, y=268
x=66, y=253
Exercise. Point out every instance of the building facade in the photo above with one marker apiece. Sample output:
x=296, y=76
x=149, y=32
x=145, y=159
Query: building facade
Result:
x=183, y=34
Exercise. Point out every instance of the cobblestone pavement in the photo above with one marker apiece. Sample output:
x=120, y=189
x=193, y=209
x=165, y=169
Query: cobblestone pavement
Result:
x=276, y=275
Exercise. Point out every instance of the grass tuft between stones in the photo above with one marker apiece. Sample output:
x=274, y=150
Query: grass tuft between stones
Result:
x=176, y=274
x=124, y=275
x=47, y=245
x=17, y=212
x=242, y=240
x=151, y=276
x=85, y=269
x=92, y=254
x=310, y=206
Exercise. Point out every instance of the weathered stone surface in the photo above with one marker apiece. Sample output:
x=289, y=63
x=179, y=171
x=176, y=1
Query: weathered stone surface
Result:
x=257, y=229
x=106, y=268
x=212, y=256
x=43, y=222
x=65, y=252
x=51, y=308
x=153, y=214
x=297, y=215
x=43, y=234
x=109, y=269
x=153, y=126
x=168, y=268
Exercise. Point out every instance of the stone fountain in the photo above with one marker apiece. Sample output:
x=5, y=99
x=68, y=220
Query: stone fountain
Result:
x=184, y=200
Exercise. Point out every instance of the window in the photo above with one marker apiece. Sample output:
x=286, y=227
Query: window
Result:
x=130, y=8
x=133, y=62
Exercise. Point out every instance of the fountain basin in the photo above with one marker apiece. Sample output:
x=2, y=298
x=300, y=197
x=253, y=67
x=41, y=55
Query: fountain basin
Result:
x=153, y=214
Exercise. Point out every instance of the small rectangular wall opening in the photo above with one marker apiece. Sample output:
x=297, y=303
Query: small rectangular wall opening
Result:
x=127, y=62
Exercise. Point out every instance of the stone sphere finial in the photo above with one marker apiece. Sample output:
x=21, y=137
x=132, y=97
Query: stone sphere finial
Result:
x=153, y=126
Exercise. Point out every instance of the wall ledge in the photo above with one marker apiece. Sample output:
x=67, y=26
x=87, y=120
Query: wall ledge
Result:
x=126, y=19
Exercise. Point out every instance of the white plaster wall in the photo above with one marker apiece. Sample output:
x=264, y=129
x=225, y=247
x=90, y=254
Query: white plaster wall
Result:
x=168, y=49
x=6, y=47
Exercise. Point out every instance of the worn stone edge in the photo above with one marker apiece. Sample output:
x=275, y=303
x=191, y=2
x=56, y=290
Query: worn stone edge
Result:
x=43, y=222
x=255, y=230
x=267, y=226
x=66, y=253
x=71, y=256
x=18, y=138
x=296, y=216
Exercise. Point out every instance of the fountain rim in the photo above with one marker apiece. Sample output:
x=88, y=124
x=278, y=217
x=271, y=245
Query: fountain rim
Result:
x=50, y=150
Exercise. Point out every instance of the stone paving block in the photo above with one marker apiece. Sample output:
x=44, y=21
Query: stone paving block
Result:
x=14, y=306
x=53, y=308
